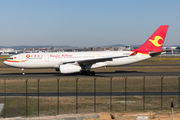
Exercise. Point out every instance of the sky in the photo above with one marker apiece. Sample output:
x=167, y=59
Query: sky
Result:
x=86, y=23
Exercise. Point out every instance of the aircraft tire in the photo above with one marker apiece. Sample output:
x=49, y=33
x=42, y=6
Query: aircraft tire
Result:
x=83, y=72
x=93, y=73
x=87, y=72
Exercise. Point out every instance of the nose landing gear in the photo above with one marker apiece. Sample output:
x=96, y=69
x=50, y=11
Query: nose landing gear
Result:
x=23, y=71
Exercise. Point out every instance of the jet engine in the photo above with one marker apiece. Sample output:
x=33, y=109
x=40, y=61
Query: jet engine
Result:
x=69, y=68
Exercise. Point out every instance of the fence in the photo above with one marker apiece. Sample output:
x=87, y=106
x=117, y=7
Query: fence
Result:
x=39, y=97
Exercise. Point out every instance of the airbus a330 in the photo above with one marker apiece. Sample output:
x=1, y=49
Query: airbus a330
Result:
x=72, y=62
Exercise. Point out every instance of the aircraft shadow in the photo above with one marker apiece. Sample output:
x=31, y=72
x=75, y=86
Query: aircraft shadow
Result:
x=57, y=74
x=118, y=72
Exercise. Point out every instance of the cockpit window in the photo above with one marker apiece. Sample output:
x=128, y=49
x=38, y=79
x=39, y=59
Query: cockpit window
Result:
x=10, y=58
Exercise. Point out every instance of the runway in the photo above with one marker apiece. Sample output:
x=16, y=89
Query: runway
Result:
x=85, y=94
x=98, y=74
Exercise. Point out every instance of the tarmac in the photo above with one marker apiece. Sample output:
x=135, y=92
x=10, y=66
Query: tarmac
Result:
x=98, y=74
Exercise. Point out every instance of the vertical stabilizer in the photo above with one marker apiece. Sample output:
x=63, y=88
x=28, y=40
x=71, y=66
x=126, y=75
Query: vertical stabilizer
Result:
x=155, y=42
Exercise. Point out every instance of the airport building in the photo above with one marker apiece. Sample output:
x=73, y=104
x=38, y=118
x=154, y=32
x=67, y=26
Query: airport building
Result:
x=171, y=50
x=9, y=51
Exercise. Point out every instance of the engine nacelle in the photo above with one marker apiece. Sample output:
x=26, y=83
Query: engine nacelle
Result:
x=68, y=68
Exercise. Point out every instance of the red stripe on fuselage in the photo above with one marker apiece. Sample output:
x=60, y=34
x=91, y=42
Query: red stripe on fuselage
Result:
x=16, y=61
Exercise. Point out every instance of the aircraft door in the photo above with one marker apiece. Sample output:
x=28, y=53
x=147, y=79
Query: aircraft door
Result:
x=46, y=58
x=20, y=57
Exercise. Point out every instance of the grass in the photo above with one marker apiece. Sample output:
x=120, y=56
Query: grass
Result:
x=67, y=105
x=134, y=84
x=16, y=106
x=4, y=57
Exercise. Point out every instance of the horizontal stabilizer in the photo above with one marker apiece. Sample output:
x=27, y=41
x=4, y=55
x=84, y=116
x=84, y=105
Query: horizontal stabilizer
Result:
x=152, y=54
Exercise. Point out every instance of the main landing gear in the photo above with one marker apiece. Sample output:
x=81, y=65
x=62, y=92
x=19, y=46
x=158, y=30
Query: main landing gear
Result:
x=87, y=72
x=23, y=71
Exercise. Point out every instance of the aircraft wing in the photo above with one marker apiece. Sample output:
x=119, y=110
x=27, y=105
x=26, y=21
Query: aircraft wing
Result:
x=93, y=60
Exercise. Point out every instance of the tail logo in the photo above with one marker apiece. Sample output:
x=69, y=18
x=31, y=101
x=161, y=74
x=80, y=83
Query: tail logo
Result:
x=155, y=42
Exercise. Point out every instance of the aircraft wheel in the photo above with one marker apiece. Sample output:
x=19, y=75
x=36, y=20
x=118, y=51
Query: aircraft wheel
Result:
x=83, y=72
x=87, y=72
x=23, y=71
x=93, y=73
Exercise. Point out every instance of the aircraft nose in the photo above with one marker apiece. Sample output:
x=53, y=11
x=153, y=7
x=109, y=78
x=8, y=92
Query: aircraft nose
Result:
x=5, y=62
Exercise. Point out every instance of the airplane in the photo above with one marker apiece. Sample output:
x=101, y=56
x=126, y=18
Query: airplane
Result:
x=83, y=62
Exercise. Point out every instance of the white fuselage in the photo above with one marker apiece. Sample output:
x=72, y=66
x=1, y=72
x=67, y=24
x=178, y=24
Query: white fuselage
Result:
x=53, y=60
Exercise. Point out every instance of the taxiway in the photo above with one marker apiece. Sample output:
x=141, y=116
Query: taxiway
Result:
x=98, y=74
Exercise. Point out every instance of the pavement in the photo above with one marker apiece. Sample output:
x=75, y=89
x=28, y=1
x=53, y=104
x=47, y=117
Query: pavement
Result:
x=98, y=74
